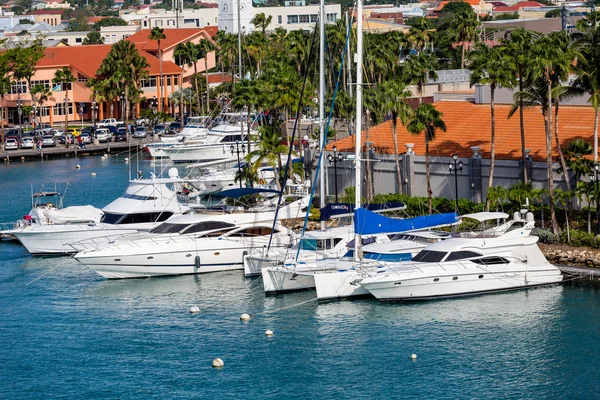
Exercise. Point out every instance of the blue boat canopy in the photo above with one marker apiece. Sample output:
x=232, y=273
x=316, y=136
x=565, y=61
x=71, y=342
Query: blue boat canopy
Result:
x=339, y=209
x=369, y=223
x=241, y=192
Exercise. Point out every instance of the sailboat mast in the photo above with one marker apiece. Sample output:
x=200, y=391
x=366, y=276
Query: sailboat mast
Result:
x=322, y=101
x=358, y=145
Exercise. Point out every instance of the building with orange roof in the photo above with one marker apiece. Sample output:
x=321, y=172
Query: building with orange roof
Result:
x=479, y=7
x=84, y=61
x=468, y=132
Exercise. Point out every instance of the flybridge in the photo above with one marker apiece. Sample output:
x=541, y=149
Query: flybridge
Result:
x=338, y=210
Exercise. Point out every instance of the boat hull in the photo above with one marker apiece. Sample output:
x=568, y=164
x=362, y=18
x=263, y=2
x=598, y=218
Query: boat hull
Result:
x=282, y=279
x=339, y=285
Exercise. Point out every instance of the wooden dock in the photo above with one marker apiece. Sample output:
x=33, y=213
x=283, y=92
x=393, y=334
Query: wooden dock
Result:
x=580, y=273
x=61, y=151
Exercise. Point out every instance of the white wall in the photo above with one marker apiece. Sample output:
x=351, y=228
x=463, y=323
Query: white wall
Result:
x=280, y=16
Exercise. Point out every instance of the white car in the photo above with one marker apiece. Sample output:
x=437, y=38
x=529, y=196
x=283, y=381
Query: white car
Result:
x=103, y=135
x=27, y=142
x=108, y=122
x=57, y=133
x=11, y=144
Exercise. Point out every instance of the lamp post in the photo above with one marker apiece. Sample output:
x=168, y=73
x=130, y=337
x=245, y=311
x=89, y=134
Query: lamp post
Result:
x=455, y=165
x=154, y=111
x=122, y=97
x=34, y=112
x=594, y=178
x=237, y=150
x=334, y=159
x=19, y=109
x=94, y=114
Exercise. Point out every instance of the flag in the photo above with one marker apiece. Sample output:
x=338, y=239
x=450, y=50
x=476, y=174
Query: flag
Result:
x=57, y=88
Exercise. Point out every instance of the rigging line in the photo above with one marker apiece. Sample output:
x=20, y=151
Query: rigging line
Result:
x=286, y=307
x=44, y=274
x=322, y=147
x=290, y=144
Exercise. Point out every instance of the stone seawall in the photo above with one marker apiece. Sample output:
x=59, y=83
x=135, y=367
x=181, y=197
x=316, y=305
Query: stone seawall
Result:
x=569, y=255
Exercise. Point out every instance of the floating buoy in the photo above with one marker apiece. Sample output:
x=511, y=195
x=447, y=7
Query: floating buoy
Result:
x=103, y=158
x=93, y=174
x=126, y=159
x=194, y=309
x=22, y=158
x=414, y=356
x=218, y=363
x=78, y=166
x=269, y=332
x=245, y=317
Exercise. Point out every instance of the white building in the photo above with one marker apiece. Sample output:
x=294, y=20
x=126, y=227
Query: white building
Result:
x=113, y=34
x=228, y=16
x=294, y=17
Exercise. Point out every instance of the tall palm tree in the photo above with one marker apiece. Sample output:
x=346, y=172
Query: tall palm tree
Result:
x=575, y=159
x=586, y=191
x=269, y=151
x=519, y=47
x=5, y=83
x=188, y=53
x=394, y=96
x=496, y=195
x=587, y=41
x=158, y=34
x=491, y=66
x=40, y=94
x=65, y=78
x=261, y=21
x=464, y=29
x=426, y=119
x=204, y=47
x=418, y=69
x=564, y=197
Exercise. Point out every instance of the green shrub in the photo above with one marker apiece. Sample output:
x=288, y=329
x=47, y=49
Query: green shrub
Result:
x=546, y=236
x=580, y=238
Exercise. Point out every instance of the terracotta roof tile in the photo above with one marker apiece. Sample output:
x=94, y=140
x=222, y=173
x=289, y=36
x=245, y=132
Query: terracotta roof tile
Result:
x=469, y=125
x=518, y=6
x=173, y=37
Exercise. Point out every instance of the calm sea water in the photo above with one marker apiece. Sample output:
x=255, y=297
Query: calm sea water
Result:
x=65, y=332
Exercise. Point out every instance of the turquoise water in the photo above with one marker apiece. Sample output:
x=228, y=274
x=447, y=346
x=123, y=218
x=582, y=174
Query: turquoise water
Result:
x=65, y=332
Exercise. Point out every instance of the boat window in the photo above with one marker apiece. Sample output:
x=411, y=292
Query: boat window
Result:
x=491, y=261
x=459, y=255
x=364, y=242
x=402, y=236
x=429, y=256
x=169, y=228
x=137, y=197
x=253, y=231
x=232, y=139
x=109, y=218
x=320, y=244
x=208, y=226
x=146, y=217
x=516, y=225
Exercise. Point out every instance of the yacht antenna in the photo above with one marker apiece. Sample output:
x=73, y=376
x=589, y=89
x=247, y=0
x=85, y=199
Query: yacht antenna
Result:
x=358, y=147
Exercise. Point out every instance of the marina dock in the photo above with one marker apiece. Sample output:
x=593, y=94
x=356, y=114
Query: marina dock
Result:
x=586, y=273
x=60, y=151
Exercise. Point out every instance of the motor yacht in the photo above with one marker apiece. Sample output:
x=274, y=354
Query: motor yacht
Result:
x=193, y=244
x=145, y=204
x=503, y=255
x=194, y=132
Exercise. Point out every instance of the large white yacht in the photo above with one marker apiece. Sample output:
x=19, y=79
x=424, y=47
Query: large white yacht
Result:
x=500, y=257
x=194, y=131
x=193, y=244
x=145, y=203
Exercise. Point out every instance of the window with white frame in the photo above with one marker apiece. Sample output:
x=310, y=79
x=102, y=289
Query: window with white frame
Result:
x=331, y=17
x=292, y=19
x=279, y=19
x=150, y=82
x=314, y=17
x=45, y=83
x=61, y=86
x=81, y=78
x=59, y=108
x=304, y=19
x=16, y=86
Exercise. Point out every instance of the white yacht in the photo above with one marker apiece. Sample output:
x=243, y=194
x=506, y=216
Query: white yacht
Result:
x=222, y=141
x=192, y=244
x=500, y=257
x=194, y=131
x=145, y=204
x=403, y=246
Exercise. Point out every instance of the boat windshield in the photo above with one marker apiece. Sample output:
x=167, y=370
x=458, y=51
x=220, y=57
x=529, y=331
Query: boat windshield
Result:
x=169, y=228
x=319, y=244
x=429, y=256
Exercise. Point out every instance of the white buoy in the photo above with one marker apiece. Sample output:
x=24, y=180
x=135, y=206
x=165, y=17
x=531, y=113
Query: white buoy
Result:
x=245, y=317
x=414, y=356
x=78, y=166
x=269, y=332
x=218, y=363
x=194, y=309
x=103, y=158
x=126, y=159
x=93, y=174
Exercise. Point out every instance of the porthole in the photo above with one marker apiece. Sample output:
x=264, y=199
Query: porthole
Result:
x=150, y=257
x=188, y=255
x=436, y=279
x=217, y=253
x=398, y=283
x=117, y=259
x=455, y=278
x=480, y=276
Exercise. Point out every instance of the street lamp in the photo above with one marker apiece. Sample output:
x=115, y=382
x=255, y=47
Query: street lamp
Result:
x=237, y=150
x=455, y=165
x=122, y=97
x=19, y=109
x=94, y=114
x=594, y=178
x=334, y=159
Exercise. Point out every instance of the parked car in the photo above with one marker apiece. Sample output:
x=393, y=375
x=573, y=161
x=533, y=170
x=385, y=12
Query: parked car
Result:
x=57, y=133
x=74, y=132
x=159, y=130
x=11, y=144
x=27, y=142
x=86, y=137
x=121, y=135
x=175, y=126
x=140, y=132
x=107, y=122
x=142, y=121
x=48, y=141
x=103, y=135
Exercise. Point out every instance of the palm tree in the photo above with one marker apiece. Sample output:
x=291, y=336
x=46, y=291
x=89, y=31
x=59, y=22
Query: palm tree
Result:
x=491, y=66
x=40, y=94
x=65, y=78
x=519, y=47
x=394, y=95
x=586, y=191
x=564, y=197
x=205, y=47
x=189, y=52
x=496, y=196
x=426, y=118
x=158, y=34
x=419, y=68
x=5, y=83
x=587, y=41
x=537, y=195
x=575, y=159
x=519, y=192
x=261, y=21
x=246, y=95
x=269, y=151
x=464, y=28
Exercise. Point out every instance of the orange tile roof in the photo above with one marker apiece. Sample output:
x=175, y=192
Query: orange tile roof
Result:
x=518, y=6
x=443, y=3
x=173, y=37
x=87, y=59
x=469, y=125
